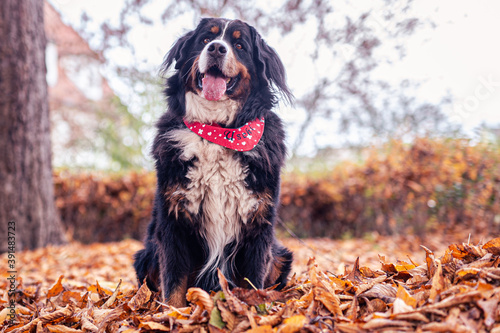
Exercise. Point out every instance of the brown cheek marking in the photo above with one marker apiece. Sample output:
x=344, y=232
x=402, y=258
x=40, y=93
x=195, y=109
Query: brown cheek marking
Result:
x=237, y=34
x=265, y=203
x=243, y=88
x=178, y=295
x=214, y=30
x=176, y=204
x=192, y=76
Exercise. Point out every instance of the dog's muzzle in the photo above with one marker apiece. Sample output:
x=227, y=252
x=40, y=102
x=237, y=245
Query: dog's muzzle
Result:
x=216, y=74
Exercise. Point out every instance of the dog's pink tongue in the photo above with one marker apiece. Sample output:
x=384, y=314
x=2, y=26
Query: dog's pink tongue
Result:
x=214, y=87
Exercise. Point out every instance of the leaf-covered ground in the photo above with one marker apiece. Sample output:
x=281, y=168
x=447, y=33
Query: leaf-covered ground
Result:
x=396, y=285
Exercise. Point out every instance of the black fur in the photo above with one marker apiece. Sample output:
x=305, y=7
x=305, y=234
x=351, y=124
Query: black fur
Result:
x=174, y=248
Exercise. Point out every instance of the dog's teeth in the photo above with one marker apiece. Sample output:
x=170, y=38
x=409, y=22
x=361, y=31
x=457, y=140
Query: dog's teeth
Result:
x=227, y=81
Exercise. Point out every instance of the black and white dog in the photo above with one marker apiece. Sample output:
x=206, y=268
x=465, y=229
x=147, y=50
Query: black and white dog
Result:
x=219, y=153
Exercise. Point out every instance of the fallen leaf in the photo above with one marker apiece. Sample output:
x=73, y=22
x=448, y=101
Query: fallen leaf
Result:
x=62, y=329
x=200, y=297
x=293, y=324
x=261, y=329
x=493, y=246
x=489, y=308
x=140, y=298
x=151, y=325
x=257, y=297
x=56, y=289
x=438, y=282
x=403, y=295
x=112, y=298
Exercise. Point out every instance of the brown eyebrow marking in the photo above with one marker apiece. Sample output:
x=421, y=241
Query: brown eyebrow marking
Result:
x=214, y=29
x=237, y=34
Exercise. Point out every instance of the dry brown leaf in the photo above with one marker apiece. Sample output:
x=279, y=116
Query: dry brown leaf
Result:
x=151, y=325
x=381, y=323
x=69, y=296
x=466, y=273
x=330, y=301
x=324, y=292
x=243, y=326
x=234, y=304
x=113, y=315
x=367, y=286
x=201, y=298
x=489, y=308
x=376, y=305
x=271, y=320
x=466, y=252
x=352, y=312
x=87, y=325
x=47, y=318
x=389, y=268
x=228, y=317
x=130, y=330
x=469, y=297
x=99, y=314
x=411, y=316
x=39, y=327
x=399, y=306
x=464, y=286
x=385, y=292
x=451, y=324
x=430, y=262
x=355, y=275
x=62, y=329
x=493, y=246
x=102, y=292
x=438, y=282
x=56, y=289
x=140, y=298
x=404, y=266
x=406, y=297
x=293, y=324
x=112, y=298
x=3, y=315
x=261, y=329
x=257, y=297
x=369, y=273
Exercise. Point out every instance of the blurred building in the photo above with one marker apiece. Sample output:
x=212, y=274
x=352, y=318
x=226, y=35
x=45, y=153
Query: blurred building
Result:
x=77, y=90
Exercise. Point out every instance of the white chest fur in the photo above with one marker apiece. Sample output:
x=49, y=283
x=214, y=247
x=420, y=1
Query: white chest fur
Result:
x=216, y=192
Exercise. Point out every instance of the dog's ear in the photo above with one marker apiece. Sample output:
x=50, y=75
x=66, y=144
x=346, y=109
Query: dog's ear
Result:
x=270, y=69
x=179, y=52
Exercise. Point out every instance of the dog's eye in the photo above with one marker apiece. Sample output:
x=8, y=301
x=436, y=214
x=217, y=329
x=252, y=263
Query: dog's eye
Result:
x=206, y=40
x=238, y=46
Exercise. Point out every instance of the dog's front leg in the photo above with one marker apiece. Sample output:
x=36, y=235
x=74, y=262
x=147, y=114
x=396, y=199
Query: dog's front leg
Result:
x=175, y=262
x=254, y=258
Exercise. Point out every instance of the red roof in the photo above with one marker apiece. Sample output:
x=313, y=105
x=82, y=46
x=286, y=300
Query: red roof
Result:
x=68, y=41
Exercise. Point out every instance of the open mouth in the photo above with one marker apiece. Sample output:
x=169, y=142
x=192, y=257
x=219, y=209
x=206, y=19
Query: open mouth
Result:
x=214, y=84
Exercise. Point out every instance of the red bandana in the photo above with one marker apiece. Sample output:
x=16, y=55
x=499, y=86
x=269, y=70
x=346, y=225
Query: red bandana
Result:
x=244, y=138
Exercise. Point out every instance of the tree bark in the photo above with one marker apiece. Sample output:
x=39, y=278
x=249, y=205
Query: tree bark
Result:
x=26, y=183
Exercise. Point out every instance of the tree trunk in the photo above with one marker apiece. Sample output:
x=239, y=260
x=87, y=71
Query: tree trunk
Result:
x=26, y=184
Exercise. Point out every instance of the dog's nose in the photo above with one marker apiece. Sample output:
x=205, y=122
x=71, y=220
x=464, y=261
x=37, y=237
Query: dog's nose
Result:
x=217, y=49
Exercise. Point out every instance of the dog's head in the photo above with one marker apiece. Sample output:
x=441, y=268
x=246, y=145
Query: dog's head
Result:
x=224, y=61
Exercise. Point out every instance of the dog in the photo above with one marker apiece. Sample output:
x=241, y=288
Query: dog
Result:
x=219, y=151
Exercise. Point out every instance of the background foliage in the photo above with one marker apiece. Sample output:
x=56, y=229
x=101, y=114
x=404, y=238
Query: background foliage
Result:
x=398, y=189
